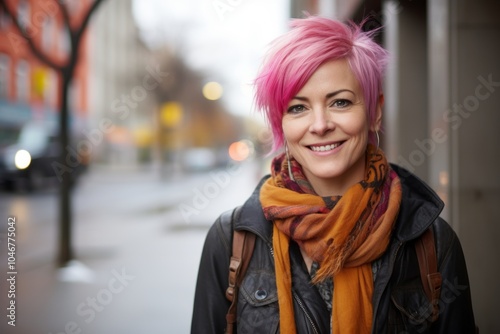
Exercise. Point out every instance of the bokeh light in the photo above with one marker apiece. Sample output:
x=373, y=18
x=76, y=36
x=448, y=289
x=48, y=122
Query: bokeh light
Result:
x=22, y=159
x=241, y=150
x=212, y=91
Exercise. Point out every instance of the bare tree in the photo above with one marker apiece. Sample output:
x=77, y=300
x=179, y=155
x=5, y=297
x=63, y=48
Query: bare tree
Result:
x=66, y=69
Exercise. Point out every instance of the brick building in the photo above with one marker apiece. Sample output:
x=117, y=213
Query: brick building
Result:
x=29, y=88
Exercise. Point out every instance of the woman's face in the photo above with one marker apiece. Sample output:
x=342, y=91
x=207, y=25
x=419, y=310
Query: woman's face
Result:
x=326, y=128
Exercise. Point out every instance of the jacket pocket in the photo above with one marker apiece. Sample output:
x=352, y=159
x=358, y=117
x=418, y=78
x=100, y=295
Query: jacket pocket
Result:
x=258, y=303
x=413, y=305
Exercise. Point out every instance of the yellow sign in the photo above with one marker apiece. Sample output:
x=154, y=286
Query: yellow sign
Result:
x=171, y=114
x=39, y=81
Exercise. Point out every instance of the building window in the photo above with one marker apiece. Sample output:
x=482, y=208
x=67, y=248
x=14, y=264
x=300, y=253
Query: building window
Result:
x=23, y=14
x=64, y=41
x=48, y=26
x=23, y=81
x=4, y=76
x=4, y=19
x=73, y=6
x=51, y=90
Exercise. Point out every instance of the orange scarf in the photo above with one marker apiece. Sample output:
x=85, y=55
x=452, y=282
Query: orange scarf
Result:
x=344, y=234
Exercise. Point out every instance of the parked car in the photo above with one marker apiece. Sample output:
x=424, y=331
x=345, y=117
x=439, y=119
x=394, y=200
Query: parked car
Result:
x=29, y=155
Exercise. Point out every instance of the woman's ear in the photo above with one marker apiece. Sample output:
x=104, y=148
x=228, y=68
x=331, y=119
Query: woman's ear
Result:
x=377, y=121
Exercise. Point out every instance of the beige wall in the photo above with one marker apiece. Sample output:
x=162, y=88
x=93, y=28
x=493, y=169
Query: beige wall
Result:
x=475, y=58
x=406, y=116
x=439, y=109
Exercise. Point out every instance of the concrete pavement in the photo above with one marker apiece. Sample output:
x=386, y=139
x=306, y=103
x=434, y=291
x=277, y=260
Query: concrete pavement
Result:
x=137, y=241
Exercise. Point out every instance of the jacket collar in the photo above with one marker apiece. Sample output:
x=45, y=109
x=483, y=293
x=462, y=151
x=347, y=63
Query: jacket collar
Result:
x=252, y=216
x=420, y=206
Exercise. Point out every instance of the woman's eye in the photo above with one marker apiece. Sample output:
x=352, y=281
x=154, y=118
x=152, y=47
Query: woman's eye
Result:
x=341, y=103
x=296, y=109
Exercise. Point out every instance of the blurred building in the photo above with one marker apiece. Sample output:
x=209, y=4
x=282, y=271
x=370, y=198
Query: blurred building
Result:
x=152, y=99
x=121, y=83
x=441, y=115
x=191, y=116
x=29, y=88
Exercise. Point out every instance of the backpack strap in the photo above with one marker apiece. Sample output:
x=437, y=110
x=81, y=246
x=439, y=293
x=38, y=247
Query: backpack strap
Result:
x=243, y=245
x=425, y=248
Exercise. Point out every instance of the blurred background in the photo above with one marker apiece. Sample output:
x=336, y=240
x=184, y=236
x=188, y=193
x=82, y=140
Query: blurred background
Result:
x=127, y=127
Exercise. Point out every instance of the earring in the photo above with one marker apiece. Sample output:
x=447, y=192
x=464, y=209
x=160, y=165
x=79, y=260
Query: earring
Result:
x=290, y=174
x=378, y=141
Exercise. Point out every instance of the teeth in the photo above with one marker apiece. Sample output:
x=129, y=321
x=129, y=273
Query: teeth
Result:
x=324, y=148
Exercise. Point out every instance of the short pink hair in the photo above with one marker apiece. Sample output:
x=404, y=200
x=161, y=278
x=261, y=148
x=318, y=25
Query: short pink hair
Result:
x=296, y=55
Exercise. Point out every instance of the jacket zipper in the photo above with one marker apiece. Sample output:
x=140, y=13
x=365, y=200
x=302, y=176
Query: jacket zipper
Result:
x=300, y=302
x=305, y=312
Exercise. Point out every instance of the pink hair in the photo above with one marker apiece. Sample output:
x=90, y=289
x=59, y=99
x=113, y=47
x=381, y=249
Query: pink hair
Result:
x=296, y=55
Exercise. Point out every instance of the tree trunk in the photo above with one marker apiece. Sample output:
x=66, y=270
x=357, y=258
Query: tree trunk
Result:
x=65, y=219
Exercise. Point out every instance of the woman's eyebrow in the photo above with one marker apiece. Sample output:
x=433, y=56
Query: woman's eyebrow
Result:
x=332, y=94
x=329, y=95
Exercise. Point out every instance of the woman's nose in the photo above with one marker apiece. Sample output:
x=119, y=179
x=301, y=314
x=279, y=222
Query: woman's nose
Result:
x=321, y=122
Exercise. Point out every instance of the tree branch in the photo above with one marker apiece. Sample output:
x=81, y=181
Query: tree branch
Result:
x=31, y=42
x=86, y=19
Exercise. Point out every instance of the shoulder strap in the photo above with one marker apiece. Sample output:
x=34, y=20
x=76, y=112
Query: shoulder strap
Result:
x=425, y=248
x=243, y=244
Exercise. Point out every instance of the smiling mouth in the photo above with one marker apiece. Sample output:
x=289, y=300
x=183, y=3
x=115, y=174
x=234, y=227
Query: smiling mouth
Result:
x=324, y=148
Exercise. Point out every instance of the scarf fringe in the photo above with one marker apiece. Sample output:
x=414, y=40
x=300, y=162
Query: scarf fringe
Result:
x=331, y=264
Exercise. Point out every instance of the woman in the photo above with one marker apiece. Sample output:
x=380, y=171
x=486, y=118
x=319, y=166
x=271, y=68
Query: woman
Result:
x=335, y=223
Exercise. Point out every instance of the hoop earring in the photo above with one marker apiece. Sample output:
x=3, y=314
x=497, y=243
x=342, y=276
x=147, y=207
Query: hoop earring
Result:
x=378, y=140
x=290, y=174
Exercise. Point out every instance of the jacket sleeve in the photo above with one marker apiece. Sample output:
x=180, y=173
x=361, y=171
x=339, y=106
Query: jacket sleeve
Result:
x=455, y=305
x=210, y=303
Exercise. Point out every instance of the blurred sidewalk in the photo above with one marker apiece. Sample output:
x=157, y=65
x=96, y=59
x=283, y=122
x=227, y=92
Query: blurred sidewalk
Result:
x=137, y=253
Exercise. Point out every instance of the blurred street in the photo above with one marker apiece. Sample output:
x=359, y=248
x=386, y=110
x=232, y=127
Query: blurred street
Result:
x=137, y=252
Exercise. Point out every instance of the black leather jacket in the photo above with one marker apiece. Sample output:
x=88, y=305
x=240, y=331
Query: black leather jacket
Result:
x=399, y=301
